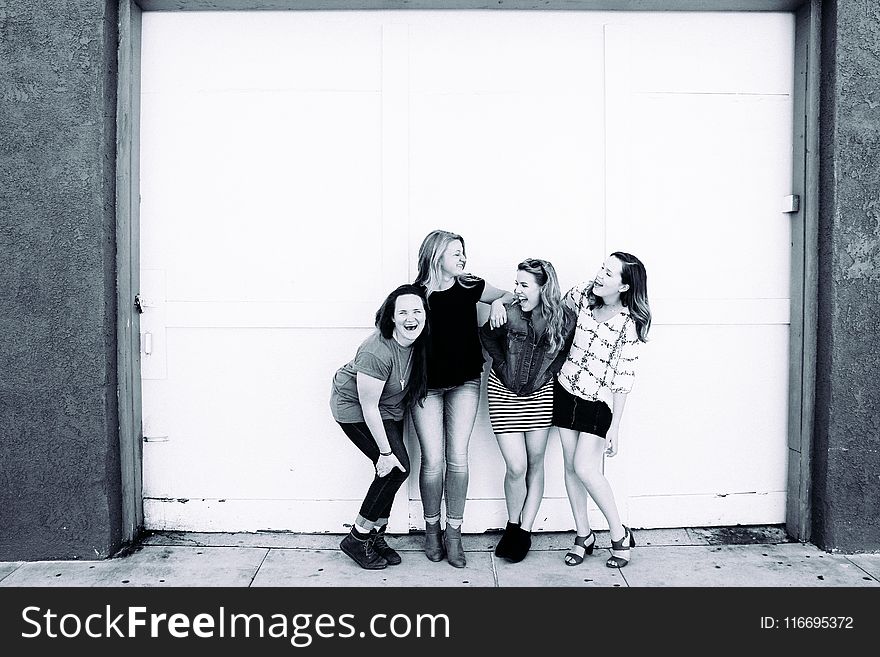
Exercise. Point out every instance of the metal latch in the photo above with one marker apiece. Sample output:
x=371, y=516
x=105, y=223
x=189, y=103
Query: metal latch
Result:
x=141, y=304
x=791, y=203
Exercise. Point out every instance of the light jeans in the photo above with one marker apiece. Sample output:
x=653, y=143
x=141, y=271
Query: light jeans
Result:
x=444, y=423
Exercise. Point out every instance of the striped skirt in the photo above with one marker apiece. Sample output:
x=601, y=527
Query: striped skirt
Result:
x=512, y=414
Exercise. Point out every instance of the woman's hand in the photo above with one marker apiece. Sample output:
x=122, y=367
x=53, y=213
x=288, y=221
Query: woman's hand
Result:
x=386, y=464
x=498, y=314
x=611, y=442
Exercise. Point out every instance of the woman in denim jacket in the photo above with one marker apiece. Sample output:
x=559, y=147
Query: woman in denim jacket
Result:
x=526, y=354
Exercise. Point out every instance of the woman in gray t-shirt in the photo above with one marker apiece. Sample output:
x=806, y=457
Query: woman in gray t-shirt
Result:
x=368, y=399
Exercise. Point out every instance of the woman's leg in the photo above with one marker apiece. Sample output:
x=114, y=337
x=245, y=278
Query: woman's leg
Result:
x=460, y=411
x=584, y=539
x=588, y=466
x=380, y=495
x=428, y=421
x=536, y=446
x=513, y=449
x=360, y=542
x=577, y=493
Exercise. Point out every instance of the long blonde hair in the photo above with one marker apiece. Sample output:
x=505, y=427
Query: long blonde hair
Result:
x=430, y=253
x=551, y=298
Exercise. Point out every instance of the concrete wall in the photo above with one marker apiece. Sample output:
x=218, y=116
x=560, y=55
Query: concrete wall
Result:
x=59, y=463
x=846, y=479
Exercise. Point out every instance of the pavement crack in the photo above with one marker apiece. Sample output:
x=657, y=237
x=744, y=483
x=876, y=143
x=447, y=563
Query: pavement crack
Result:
x=262, y=561
x=11, y=571
x=869, y=574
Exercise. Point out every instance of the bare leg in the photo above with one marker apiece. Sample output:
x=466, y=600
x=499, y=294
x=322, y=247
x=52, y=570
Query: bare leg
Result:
x=577, y=493
x=536, y=446
x=588, y=467
x=513, y=449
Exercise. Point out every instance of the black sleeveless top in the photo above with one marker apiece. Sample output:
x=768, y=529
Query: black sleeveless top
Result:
x=454, y=352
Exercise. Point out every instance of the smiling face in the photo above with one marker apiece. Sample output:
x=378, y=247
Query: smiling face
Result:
x=526, y=290
x=409, y=318
x=608, y=280
x=453, y=260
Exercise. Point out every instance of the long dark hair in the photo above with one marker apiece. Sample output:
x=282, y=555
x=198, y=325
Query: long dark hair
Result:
x=418, y=377
x=633, y=274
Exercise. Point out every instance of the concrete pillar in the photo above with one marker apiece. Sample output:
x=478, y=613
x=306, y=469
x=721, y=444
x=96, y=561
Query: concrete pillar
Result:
x=59, y=451
x=846, y=477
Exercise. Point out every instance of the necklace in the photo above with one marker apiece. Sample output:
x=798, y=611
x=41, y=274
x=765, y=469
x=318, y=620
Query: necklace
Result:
x=403, y=371
x=603, y=311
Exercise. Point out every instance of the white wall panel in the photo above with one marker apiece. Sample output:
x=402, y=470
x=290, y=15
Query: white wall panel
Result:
x=247, y=416
x=705, y=409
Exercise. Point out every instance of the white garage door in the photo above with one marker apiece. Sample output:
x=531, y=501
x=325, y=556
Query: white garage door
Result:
x=292, y=162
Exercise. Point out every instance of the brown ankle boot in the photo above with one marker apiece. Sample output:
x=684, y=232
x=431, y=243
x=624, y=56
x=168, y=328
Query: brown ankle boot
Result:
x=454, y=550
x=434, y=541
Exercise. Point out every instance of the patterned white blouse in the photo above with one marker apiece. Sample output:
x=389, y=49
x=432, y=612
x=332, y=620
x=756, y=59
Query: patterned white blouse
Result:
x=603, y=358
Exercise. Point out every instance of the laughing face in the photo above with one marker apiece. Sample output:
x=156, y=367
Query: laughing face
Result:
x=409, y=318
x=526, y=290
x=453, y=259
x=608, y=281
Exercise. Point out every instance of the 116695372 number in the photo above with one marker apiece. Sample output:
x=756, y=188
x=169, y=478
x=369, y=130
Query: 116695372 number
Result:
x=818, y=622
x=807, y=623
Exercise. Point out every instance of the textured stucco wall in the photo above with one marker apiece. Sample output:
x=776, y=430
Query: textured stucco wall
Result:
x=59, y=469
x=846, y=501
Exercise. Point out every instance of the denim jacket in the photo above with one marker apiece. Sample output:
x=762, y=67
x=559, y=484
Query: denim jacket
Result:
x=519, y=357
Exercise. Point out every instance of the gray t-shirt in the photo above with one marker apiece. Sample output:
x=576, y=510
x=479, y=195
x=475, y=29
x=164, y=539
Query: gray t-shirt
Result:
x=379, y=358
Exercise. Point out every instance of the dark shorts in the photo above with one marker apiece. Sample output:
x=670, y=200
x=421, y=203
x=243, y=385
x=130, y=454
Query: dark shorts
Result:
x=572, y=412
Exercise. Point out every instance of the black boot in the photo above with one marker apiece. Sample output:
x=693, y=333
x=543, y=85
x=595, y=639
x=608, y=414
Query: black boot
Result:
x=520, y=545
x=502, y=550
x=361, y=550
x=379, y=545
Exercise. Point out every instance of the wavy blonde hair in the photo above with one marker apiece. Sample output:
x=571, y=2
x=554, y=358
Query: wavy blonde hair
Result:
x=550, y=297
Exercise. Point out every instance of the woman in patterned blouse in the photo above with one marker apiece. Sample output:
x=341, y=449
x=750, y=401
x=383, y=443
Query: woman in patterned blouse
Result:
x=613, y=318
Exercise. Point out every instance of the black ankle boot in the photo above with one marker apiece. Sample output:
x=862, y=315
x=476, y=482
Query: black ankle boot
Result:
x=502, y=550
x=361, y=550
x=521, y=543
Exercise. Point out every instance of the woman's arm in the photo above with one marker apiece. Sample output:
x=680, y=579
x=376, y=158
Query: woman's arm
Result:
x=571, y=325
x=494, y=342
x=369, y=390
x=618, y=401
x=497, y=298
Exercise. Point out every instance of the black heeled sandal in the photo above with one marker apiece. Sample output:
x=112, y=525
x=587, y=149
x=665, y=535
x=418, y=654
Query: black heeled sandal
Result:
x=575, y=556
x=620, y=549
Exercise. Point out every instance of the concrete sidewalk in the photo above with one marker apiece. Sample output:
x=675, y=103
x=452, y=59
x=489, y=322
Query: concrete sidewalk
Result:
x=708, y=557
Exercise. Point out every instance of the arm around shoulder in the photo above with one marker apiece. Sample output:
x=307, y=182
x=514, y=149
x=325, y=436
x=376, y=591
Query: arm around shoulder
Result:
x=494, y=341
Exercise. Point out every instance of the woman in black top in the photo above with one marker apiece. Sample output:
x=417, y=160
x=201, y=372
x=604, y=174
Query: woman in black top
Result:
x=445, y=419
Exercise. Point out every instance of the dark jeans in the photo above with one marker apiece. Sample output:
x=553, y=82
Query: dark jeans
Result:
x=380, y=495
